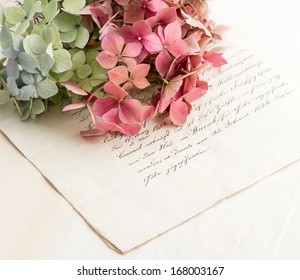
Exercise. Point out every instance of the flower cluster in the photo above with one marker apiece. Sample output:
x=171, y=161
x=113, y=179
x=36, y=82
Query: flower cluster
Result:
x=105, y=55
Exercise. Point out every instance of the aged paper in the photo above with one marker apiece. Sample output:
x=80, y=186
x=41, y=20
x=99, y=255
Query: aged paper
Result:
x=132, y=189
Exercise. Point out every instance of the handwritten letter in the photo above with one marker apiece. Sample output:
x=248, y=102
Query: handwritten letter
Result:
x=132, y=189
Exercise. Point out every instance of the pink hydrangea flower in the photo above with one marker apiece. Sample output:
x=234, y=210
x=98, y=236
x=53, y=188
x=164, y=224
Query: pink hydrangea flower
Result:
x=137, y=77
x=142, y=9
x=114, y=50
x=173, y=46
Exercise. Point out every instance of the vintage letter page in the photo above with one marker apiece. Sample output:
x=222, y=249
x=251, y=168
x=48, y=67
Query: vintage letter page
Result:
x=131, y=190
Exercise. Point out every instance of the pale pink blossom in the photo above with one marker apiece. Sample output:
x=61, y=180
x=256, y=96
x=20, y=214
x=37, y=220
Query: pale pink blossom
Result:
x=115, y=50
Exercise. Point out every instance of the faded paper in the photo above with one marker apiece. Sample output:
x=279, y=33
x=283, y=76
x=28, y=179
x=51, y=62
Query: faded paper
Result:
x=132, y=189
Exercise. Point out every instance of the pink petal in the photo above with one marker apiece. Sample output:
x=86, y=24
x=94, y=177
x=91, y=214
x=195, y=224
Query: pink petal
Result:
x=92, y=133
x=172, y=32
x=214, y=58
x=140, y=71
x=152, y=43
x=73, y=106
x=130, y=129
x=156, y=5
x=172, y=88
x=142, y=56
x=130, y=111
x=107, y=59
x=179, y=47
x=141, y=83
x=164, y=104
x=193, y=95
x=132, y=49
x=178, y=112
x=112, y=116
x=129, y=61
x=115, y=90
x=122, y=2
x=163, y=62
x=167, y=15
x=74, y=88
x=202, y=84
x=133, y=13
x=128, y=86
x=107, y=126
x=142, y=28
x=148, y=113
x=113, y=43
x=118, y=75
x=104, y=104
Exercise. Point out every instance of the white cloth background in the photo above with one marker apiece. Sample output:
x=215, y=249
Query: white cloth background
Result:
x=258, y=223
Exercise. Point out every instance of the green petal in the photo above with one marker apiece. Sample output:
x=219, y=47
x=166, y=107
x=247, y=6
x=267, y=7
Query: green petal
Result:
x=38, y=107
x=50, y=10
x=14, y=14
x=34, y=44
x=91, y=55
x=84, y=71
x=46, y=89
x=45, y=63
x=27, y=78
x=18, y=43
x=34, y=8
x=68, y=37
x=26, y=93
x=73, y=6
x=37, y=44
x=5, y=37
x=23, y=27
x=25, y=115
x=27, y=5
x=82, y=38
x=65, y=22
x=51, y=35
x=62, y=61
x=78, y=60
x=4, y=97
x=28, y=62
x=66, y=76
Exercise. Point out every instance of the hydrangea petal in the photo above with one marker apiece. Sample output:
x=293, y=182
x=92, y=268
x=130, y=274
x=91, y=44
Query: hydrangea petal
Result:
x=107, y=59
x=118, y=75
x=115, y=90
x=105, y=104
x=178, y=112
x=130, y=111
x=152, y=43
